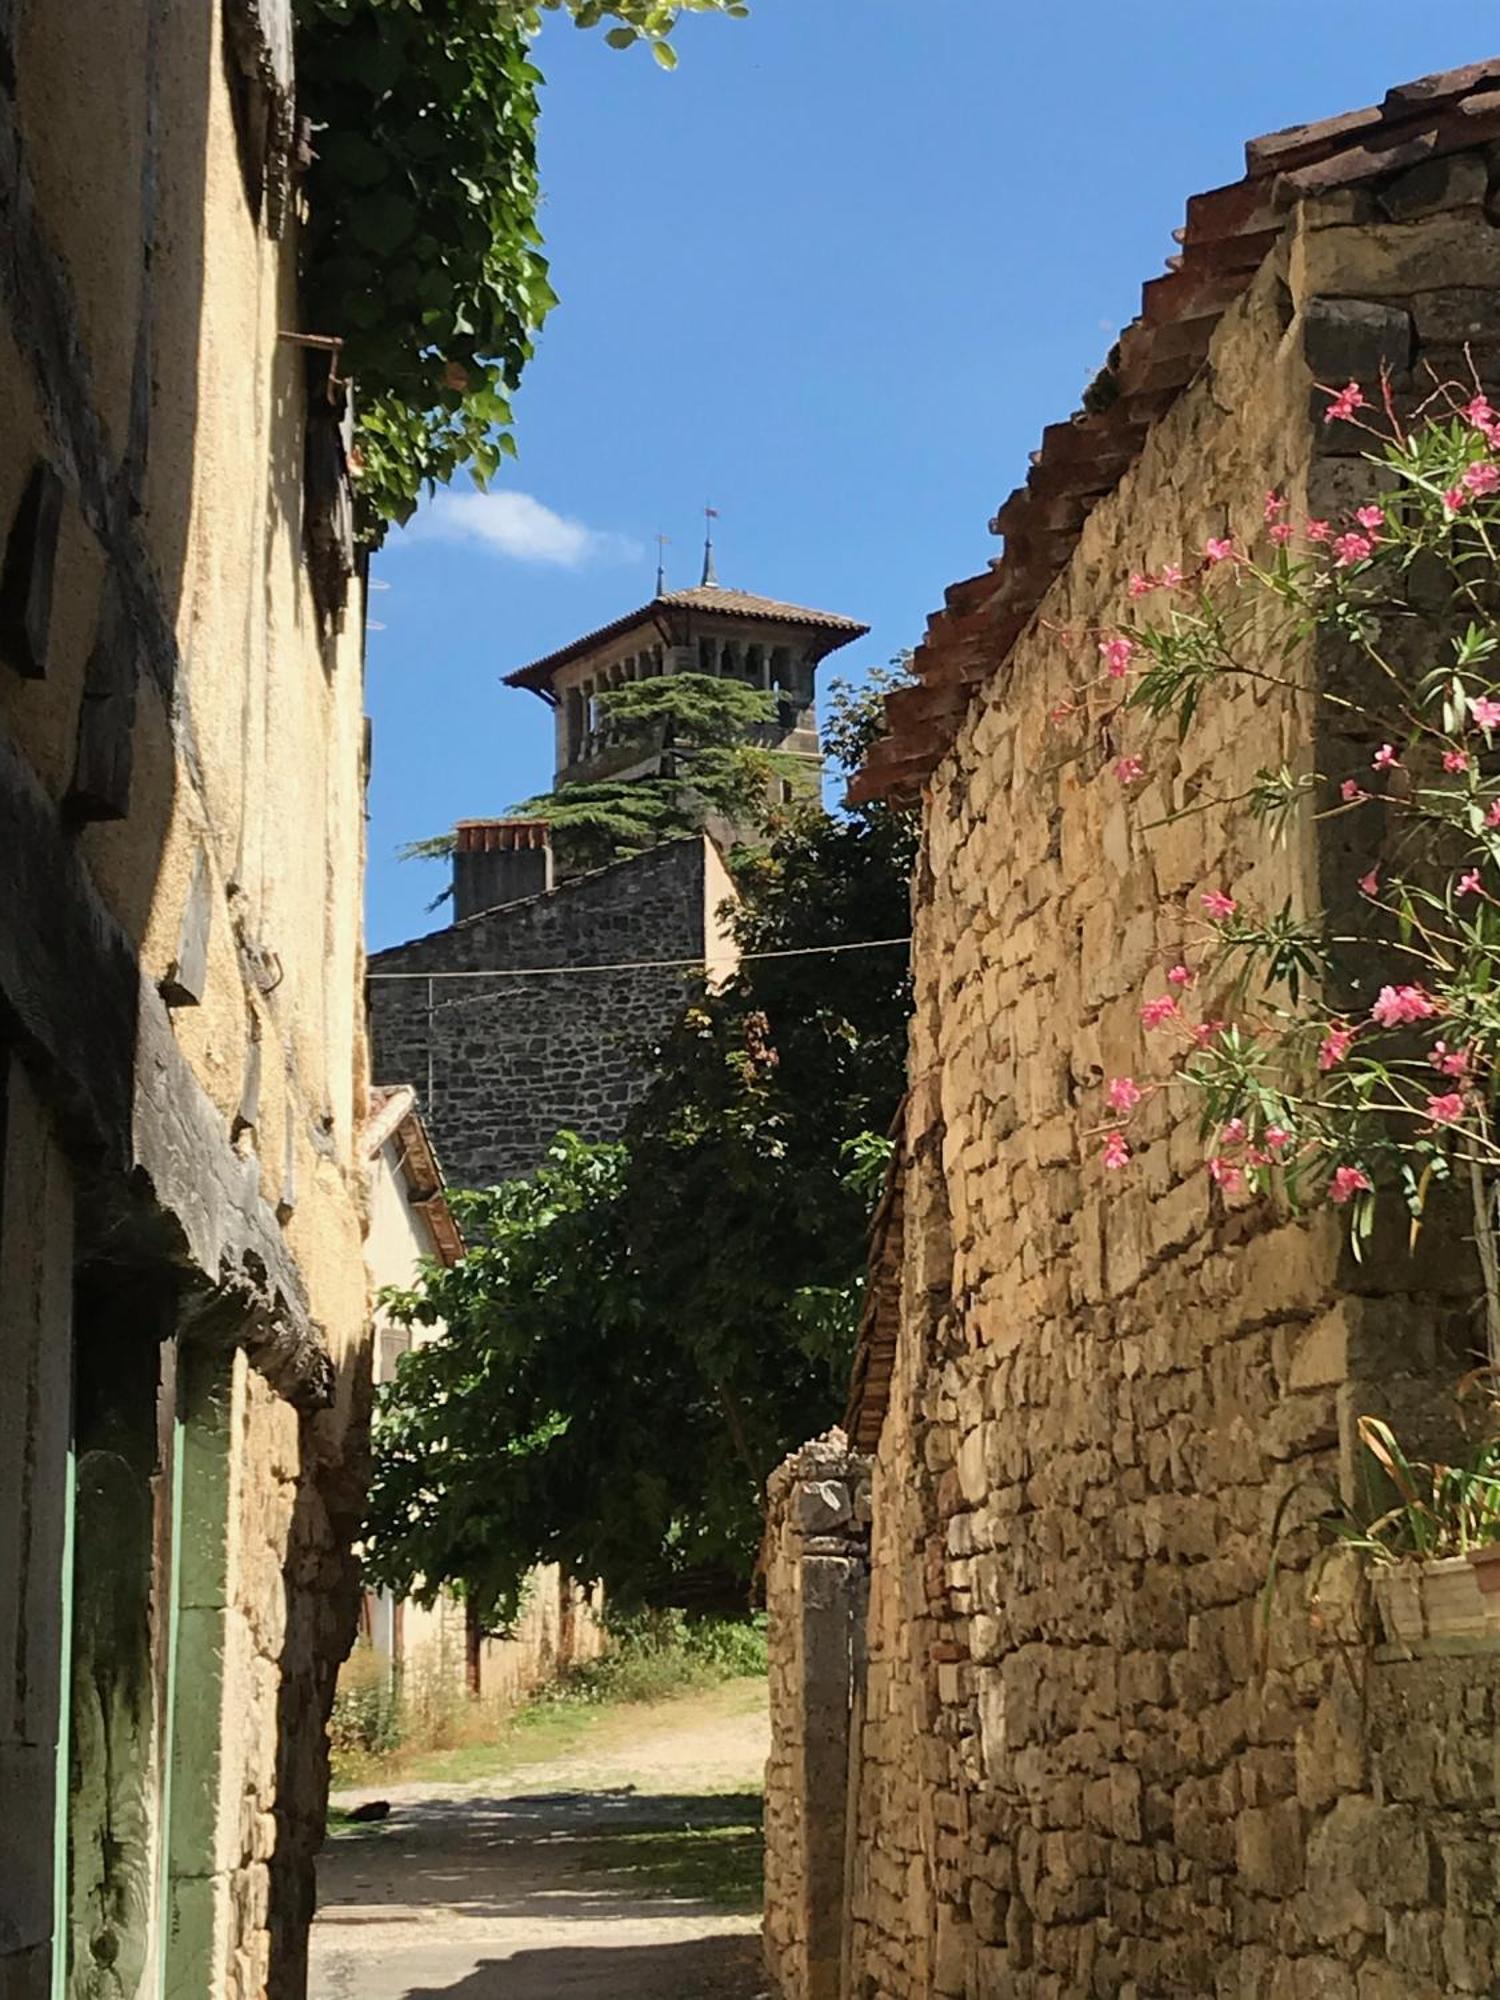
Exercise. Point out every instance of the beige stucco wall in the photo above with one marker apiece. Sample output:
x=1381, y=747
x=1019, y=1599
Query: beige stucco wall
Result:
x=142, y=358
x=1087, y=1764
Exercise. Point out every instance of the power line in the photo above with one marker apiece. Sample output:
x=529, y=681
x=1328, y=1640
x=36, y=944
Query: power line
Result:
x=730, y=961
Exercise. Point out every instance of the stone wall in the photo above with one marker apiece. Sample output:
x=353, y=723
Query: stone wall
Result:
x=1110, y=1746
x=181, y=1044
x=817, y=1560
x=505, y=1064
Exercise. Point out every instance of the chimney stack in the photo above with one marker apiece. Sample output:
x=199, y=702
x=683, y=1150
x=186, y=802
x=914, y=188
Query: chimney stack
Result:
x=498, y=861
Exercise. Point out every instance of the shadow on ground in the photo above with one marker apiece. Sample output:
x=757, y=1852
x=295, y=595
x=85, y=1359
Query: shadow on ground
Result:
x=715, y=1968
x=586, y=1895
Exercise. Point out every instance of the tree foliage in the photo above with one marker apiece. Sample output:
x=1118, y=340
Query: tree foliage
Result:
x=644, y=1329
x=422, y=250
x=710, y=769
x=710, y=772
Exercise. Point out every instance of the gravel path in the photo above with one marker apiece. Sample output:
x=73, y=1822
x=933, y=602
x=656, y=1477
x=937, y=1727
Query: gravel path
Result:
x=483, y=1891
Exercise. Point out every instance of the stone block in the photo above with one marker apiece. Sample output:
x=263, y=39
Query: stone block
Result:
x=820, y=1506
x=1353, y=340
x=1269, y=1848
x=1457, y=181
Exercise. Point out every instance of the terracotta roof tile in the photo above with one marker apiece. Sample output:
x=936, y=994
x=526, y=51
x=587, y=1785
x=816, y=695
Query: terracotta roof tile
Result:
x=706, y=597
x=1225, y=238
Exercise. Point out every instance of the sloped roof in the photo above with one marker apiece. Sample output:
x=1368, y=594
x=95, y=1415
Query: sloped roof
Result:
x=394, y=1115
x=704, y=597
x=1225, y=239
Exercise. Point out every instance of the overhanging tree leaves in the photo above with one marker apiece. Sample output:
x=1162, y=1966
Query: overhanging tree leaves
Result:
x=645, y=1329
x=422, y=251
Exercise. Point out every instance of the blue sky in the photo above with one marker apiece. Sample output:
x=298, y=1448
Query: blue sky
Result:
x=835, y=273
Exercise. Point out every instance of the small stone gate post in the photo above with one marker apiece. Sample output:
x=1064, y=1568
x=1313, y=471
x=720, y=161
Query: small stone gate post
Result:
x=817, y=1566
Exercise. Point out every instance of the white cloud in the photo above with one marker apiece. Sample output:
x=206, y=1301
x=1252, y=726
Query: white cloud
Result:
x=522, y=528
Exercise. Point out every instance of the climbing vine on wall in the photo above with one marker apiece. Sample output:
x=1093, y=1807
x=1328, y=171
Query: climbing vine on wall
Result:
x=422, y=251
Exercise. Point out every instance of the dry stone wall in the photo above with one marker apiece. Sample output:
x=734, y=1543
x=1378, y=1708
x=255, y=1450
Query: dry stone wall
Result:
x=1100, y=1755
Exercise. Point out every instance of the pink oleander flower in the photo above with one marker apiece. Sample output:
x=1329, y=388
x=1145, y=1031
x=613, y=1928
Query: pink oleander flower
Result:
x=1345, y=402
x=1274, y=504
x=1334, y=1047
x=1116, y=1151
x=1454, y=499
x=1485, y=712
x=1281, y=533
x=1233, y=1132
x=1218, y=904
x=1060, y=712
x=1351, y=791
x=1179, y=975
x=1450, y=1062
x=1446, y=1109
x=1128, y=769
x=1277, y=1138
x=1479, y=413
x=1218, y=548
x=1482, y=478
x=1170, y=577
x=1350, y=549
x=1492, y=817
x=1370, y=884
x=1156, y=1013
x=1205, y=1032
x=1124, y=1093
x=1396, y=1006
x=1385, y=758
x=1348, y=1182
x=1318, y=531
x=1223, y=1173
x=1372, y=518
x=1455, y=760
x=1467, y=883
x=1141, y=585
x=1117, y=653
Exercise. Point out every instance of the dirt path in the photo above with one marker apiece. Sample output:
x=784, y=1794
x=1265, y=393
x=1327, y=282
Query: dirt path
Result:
x=609, y=1874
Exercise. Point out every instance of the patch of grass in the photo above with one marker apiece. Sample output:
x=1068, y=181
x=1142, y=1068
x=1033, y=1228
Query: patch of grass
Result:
x=720, y=1865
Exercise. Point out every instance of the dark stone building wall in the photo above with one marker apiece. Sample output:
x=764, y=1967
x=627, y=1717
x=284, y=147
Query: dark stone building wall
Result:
x=505, y=1064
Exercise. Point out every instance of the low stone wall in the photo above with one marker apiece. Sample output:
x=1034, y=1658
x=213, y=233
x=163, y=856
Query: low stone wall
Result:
x=817, y=1551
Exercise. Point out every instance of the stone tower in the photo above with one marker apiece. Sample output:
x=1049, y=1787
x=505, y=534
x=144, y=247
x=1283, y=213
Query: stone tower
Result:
x=533, y=1011
x=730, y=634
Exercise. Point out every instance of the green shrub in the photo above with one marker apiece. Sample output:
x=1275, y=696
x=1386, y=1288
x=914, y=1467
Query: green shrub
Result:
x=367, y=1715
x=655, y=1654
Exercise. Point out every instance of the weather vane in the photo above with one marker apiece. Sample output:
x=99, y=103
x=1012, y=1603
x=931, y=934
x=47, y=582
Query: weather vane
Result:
x=661, y=561
x=710, y=576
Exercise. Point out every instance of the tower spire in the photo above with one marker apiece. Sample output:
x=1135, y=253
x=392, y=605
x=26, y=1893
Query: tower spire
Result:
x=710, y=578
x=661, y=562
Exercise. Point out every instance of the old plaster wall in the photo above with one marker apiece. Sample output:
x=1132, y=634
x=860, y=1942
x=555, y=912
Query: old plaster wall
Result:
x=181, y=850
x=1087, y=1765
x=505, y=1064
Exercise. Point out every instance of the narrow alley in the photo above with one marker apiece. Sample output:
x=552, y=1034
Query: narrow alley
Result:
x=626, y=1869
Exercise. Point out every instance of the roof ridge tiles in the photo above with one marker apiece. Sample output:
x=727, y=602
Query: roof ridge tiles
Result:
x=1225, y=238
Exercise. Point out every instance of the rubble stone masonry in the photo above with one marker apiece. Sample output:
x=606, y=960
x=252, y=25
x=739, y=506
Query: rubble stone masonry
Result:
x=1123, y=1731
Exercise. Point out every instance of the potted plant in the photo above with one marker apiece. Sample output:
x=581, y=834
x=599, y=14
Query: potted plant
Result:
x=1436, y=1552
